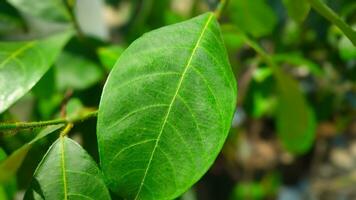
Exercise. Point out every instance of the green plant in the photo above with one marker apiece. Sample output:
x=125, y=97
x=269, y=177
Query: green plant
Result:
x=166, y=107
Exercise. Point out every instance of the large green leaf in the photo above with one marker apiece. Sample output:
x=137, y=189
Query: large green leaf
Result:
x=67, y=172
x=53, y=10
x=166, y=110
x=11, y=164
x=254, y=17
x=22, y=64
x=295, y=121
x=297, y=10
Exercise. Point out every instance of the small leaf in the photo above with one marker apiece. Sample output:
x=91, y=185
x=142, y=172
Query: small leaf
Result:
x=76, y=72
x=22, y=64
x=295, y=121
x=297, y=10
x=109, y=55
x=11, y=164
x=166, y=110
x=254, y=17
x=67, y=172
x=51, y=10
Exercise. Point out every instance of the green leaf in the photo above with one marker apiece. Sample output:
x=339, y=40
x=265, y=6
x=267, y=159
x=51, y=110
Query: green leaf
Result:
x=295, y=121
x=67, y=172
x=22, y=64
x=11, y=164
x=76, y=72
x=109, y=55
x=297, y=10
x=298, y=61
x=166, y=110
x=253, y=17
x=50, y=10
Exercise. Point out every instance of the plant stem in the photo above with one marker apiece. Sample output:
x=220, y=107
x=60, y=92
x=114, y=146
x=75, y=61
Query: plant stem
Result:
x=220, y=8
x=26, y=125
x=69, y=4
x=66, y=130
x=330, y=15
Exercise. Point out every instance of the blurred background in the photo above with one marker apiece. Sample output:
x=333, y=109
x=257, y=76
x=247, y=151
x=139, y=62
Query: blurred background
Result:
x=293, y=135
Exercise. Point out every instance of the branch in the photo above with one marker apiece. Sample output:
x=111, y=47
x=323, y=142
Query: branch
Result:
x=330, y=15
x=220, y=8
x=27, y=125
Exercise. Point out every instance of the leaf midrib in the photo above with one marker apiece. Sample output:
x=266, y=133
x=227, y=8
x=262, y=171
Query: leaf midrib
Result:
x=64, y=178
x=16, y=53
x=172, y=102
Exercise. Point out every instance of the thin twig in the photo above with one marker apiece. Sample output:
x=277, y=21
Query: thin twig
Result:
x=27, y=125
x=330, y=15
x=69, y=4
x=222, y=4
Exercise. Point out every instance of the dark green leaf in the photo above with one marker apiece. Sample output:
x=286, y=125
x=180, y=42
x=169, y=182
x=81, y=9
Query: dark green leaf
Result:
x=297, y=10
x=253, y=17
x=76, y=72
x=22, y=64
x=67, y=172
x=11, y=164
x=53, y=10
x=295, y=121
x=166, y=110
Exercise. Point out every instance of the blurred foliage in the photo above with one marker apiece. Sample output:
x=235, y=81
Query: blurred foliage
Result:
x=296, y=76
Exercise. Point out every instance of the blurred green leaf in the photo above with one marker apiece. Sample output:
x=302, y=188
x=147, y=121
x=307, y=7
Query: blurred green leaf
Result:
x=74, y=108
x=347, y=50
x=297, y=10
x=76, y=72
x=46, y=86
x=298, y=61
x=22, y=64
x=10, y=20
x=254, y=17
x=74, y=174
x=232, y=39
x=11, y=164
x=296, y=123
x=109, y=55
x=52, y=10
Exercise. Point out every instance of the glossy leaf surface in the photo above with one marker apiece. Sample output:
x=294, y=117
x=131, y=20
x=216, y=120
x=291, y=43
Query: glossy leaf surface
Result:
x=22, y=64
x=166, y=110
x=67, y=172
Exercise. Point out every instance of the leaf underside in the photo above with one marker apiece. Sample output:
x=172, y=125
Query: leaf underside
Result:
x=67, y=172
x=166, y=110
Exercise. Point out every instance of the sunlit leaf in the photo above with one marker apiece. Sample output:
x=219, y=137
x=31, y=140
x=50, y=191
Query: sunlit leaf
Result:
x=67, y=172
x=166, y=110
x=11, y=164
x=22, y=64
